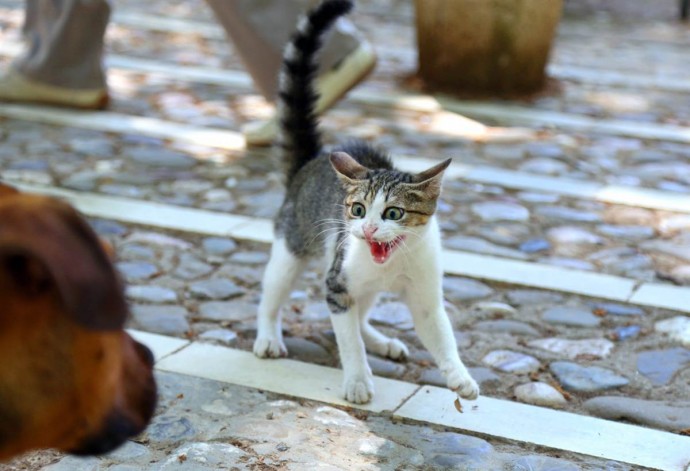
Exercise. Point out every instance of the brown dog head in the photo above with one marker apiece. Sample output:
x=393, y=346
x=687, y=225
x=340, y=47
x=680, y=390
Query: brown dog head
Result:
x=72, y=378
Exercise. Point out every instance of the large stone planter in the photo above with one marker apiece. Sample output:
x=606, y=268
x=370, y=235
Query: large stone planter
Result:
x=485, y=47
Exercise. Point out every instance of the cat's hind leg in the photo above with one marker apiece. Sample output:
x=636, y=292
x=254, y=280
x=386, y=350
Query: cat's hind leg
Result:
x=282, y=270
x=375, y=341
x=436, y=333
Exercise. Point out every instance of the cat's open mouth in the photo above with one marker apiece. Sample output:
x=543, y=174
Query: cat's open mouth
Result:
x=380, y=251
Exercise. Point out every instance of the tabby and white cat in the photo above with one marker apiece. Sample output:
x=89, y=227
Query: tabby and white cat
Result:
x=373, y=225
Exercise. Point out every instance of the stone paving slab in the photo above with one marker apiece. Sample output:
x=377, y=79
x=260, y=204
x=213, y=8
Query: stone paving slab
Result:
x=202, y=424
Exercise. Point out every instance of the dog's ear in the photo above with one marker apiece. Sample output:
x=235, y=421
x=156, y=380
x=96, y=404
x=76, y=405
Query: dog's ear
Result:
x=61, y=251
x=28, y=275
x=90, y=287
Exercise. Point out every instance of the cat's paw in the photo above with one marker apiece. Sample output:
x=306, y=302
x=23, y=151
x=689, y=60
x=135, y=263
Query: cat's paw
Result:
x=358, y=389
x=463, y=384
x=394, y=349
x=265, y=347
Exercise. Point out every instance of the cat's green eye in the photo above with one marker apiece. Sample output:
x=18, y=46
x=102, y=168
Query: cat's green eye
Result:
x=393, y=213
x=358, y=210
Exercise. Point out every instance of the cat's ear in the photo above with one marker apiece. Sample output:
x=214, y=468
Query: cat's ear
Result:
x=347, y=168
x=429, y=181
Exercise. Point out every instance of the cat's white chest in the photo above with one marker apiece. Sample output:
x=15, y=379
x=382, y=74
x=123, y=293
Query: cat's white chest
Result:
x=366, y=276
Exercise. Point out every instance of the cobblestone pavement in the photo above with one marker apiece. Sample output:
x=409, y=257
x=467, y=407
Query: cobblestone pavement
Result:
x=569, y=352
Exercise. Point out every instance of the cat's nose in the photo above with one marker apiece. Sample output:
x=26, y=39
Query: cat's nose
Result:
x=369, y=231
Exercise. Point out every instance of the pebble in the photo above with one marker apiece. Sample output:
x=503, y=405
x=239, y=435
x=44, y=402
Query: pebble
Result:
x=504, y=233
x=527, y=297
x=394, y=314
x=306, y=350
x=137, y=271
x=190, y=267
x=672, y=224
x=535, y=245
x=572, y=316
x=151, y=294
x=539, y=394
x=542, y=463
x=161, y=240
x=629, y=216
x=564, y=213
x=677, y=328
x=511, y=362
x=626, y=332
x=171, y=320
x=565, y=236
x=160, y=157
x=222, y=336
x=228, y=311
x=660, y=366
x=535, y=197
x=386, y=368
x=579, y=378
x=464, y=289
x=544, y=166
x=475, y=244
x=666, y=247
x=218, y=246
x=618, y=309
x=489, y=308
x=632, y=233
x=500, y=211
x=316, y=311
x=250, y=258
x=599, y=348
x=507, y=326
x=215, y=288
x=103, y=227
x=673, y=416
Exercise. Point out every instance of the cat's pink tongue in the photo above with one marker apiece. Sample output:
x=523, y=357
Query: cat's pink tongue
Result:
x=379, y=251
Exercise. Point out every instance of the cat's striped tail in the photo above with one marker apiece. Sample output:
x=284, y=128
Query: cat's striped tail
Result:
x=301, y=138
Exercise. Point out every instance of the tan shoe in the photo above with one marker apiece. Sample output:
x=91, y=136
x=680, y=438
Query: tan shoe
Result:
x=332, y=86
x=16, y=87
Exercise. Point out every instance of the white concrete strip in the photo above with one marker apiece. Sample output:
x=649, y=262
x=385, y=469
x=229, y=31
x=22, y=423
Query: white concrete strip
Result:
x=553, y=429
x=161, y=346
x=289, y=377
x=502, y=270
x=149, y=213
x=596, y=285
x=666, y=296
x=120, y=123
x=523, y=116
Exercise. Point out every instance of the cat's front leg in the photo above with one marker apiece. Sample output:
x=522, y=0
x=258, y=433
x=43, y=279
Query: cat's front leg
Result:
x=436, y=333
x=358, y=385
